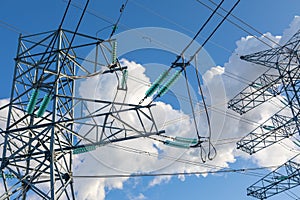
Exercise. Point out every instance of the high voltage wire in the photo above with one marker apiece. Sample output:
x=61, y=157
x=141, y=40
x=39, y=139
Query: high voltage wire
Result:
x=226, y=73
x=110, y=21
x=118, y=20
x=11, y=27
x=230, y=75
x=175, y=23
x=214, y=30
x=165, y=157
x=173, y=174
x=243, y=22
x=210, y=8
x=199, y=32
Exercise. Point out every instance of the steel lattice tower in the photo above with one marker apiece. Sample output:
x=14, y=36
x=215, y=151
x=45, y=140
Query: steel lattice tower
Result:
x=45, y=115
x=282, y=78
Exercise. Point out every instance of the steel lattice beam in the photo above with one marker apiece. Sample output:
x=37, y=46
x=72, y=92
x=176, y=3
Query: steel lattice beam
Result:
x=275, y=129
x=259, y=91
x=283, y=178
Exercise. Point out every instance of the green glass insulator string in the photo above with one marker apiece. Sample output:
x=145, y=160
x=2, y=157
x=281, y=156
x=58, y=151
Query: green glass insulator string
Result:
x=186, y=140
x=84, y=149
x=155, y=85
x=114, y=52
x=124, y=79
x=44, y=105
x=177, y=144
x=169, y=83
x=8, y=176
x=32, y=101
x=269, y=128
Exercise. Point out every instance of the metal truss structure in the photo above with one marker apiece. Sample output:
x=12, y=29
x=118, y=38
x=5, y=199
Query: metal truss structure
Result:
x=48, y=123
x=282, y=78
x=283, y=178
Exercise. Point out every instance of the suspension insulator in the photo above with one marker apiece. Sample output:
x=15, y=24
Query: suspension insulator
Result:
x=269, y=128
x=84, y=149
x=114, y=52
x=44, y=105
x=124, y=78
x=169, y=83
x=157, y=83
x=257, y=85
x=177, y=144
x=8, y=176
x=32, y=101
x=186, y=140
x=281, y=178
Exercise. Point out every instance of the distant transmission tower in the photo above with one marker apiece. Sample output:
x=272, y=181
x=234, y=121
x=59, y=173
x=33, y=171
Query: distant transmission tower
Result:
x=282, y=78
x=45, y=116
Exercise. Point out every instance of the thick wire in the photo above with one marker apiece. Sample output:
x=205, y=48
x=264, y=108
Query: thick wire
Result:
x=240, y=27
x=65, y=14
x=119, y=18
x=71, y=41
x=213, y=32
x=166, y=157
x=250, y=26
x=202, y=27
x=207, y=115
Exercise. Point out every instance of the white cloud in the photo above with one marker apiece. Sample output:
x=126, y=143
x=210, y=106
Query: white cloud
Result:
x=289, y=32
x=159, y=180
x=139, y=197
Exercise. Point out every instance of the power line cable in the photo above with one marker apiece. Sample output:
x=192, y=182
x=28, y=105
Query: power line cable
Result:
x=12, y=27
x=215, y=29
x=119, y=18
x=246, y=24
x=173, y=174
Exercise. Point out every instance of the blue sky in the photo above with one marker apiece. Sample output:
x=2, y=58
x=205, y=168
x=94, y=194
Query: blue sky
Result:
x=186, y=17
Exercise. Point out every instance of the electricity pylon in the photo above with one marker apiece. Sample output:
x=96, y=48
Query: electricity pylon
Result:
x=47, y=124
x=282, y=78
